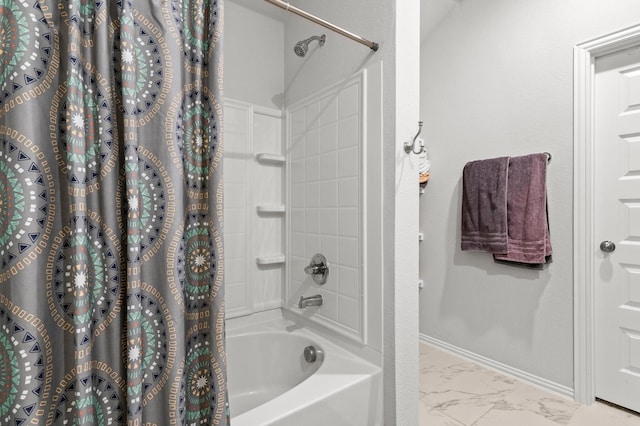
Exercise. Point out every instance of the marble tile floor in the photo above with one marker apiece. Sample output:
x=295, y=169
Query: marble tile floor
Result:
x=458, y=392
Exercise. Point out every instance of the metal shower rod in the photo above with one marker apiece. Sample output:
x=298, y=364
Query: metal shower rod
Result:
x=286, y=6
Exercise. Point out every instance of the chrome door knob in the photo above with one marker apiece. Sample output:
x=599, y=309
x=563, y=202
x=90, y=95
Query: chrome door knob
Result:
x=607, y=246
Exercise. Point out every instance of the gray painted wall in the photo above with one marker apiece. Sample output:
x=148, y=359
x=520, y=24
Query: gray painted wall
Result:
x=253, y=56
x=497, y=79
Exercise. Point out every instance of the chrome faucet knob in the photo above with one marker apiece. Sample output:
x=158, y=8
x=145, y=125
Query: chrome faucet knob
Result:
x=318, y=269
x=314, y=269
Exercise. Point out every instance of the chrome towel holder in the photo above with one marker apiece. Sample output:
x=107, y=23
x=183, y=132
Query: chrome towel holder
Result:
x=410, y=146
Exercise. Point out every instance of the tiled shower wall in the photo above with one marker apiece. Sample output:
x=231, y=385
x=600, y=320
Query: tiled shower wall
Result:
x=325, y=156
x=253, y=208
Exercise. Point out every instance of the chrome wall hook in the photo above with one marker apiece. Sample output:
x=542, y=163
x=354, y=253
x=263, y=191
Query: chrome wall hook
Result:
x=411, y=146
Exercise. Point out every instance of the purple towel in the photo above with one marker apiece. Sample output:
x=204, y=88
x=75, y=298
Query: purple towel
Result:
x=484, y=205
x=528, y=227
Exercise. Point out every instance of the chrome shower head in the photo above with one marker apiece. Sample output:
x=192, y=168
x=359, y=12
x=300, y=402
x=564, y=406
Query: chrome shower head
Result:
x=302, y=46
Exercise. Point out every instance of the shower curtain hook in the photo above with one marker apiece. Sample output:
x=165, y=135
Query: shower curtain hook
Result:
x=410, y=146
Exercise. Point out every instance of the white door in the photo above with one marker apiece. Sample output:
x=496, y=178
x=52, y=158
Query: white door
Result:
x=617, y=220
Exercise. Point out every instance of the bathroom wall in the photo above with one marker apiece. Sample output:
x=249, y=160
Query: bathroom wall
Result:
x=254, y=208
x=254, y=188
x=326, y=193
x=253, y=56
x=497, y=79
x=333, y=102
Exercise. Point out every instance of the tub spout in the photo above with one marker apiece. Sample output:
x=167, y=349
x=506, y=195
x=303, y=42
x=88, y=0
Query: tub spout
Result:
x=310, y=301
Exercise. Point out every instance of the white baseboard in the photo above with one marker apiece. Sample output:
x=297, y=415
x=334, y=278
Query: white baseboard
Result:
x=545, y=384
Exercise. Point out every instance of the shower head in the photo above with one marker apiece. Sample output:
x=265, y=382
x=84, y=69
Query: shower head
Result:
x=302, y=46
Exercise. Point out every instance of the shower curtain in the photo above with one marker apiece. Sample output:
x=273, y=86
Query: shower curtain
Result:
x=111, y=257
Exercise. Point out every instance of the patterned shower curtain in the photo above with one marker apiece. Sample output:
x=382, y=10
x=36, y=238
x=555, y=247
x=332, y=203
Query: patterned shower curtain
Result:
x=111, y=260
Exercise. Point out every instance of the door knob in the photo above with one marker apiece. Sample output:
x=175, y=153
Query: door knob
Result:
x=607, y=246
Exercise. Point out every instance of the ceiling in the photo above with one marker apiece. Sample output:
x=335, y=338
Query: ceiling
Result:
x=432, y=12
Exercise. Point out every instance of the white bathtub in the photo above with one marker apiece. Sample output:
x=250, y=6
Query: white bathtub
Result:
x=270, y=383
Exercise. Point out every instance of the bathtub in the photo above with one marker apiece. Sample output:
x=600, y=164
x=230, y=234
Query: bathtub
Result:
x=271, y=383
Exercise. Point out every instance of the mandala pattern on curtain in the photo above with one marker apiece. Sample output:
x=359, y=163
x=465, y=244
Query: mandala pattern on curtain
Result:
x=111, y=255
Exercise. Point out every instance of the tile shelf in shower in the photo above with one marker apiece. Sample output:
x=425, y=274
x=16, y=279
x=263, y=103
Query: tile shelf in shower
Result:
x=270, y=260
x=271, y=158
x=270, y=209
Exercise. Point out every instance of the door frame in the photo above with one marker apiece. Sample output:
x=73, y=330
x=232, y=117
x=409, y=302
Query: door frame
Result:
x=585, y=55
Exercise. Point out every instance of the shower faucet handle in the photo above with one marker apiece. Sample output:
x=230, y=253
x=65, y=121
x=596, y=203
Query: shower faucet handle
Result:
x=318, y=269
x=315, y=269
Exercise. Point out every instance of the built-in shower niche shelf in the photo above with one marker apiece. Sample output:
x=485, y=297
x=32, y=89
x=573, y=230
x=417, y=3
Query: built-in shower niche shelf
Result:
x=270, y=209
x=275, y=259
x=270, y=158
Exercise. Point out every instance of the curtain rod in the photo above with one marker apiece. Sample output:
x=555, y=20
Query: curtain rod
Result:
x=286, y=6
